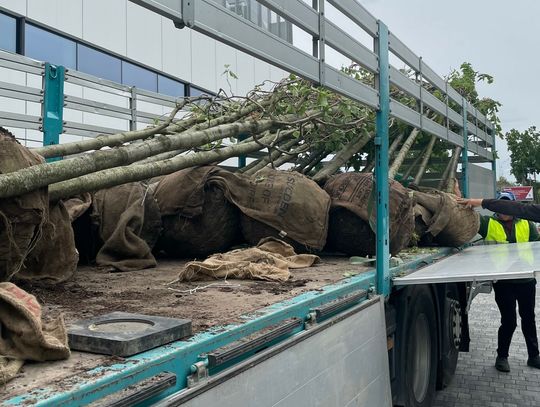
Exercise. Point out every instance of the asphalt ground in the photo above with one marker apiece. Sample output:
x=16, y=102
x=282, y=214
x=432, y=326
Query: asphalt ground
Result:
x=477, y=382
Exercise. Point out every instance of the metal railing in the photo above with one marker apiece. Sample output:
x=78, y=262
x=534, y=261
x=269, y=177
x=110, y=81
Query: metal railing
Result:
x=85, y=101
x=463, y=126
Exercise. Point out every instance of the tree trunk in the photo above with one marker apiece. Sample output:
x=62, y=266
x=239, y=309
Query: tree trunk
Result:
x=316, y=160
x=304, y=162
x=341, y=158
x=450, y=169
x=37, y=176
x=285, y=158
x=139, y=172
x=263, y=162
x=113, y=140
x=391, y=150
x=425, y=160
x=394, y=168
x=414, y=163
x=450, y=179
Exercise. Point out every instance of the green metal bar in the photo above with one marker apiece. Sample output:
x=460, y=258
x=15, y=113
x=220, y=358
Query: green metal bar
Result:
x=242, y=158
x=53, y=105
x=381, y=162
x=465, y=152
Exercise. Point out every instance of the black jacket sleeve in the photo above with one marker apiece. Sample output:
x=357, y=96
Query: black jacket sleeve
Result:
x=513, y=208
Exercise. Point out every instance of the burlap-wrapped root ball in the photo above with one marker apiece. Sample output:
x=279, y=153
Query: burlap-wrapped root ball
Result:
x=22, y=218
x=451, y=224
x=54, y=258
x=128, y=223
x=197, y=218
x=353, y=205
x=282, y=204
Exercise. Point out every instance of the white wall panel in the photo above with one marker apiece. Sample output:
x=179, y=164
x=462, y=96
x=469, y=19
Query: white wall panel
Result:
x=176, y=54
x=277, y=74
x=33, y=138
x=64, y=15
x=144, y=36
x=226, y=55
x=68, y=138
x=262, y=73
x=18, y=6
x=245, y=71
x=12, y=76
x=105, y=121
x=104, y=24
x=203, y=61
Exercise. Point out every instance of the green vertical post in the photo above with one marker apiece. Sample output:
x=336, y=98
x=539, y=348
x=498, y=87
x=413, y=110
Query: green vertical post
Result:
x=381, y=162
x=53, y=105
x=242, y=158
x=465, y=152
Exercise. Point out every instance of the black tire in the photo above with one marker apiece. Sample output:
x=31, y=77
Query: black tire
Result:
x=419, y=361
x=451, y=335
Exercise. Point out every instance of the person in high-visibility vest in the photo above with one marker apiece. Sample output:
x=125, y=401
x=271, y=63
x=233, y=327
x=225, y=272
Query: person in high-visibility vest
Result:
x=510, y=225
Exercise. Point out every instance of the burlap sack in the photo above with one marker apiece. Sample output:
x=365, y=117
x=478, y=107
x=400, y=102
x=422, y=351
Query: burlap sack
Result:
x=129, y=224
x=24, y=335
x=197, y=218
x=78, y=205
x=291, y=204
x=451, y=224
x=353, y=234
x=270, y=260
x=22, y=217
x=54, y=258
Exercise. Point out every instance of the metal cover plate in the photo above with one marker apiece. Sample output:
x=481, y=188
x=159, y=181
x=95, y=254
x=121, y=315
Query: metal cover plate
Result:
x=125, y=334
x=480, y=263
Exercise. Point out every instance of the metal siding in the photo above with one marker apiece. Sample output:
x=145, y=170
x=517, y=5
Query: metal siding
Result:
x=225, y=55
x=53, y=13
x=203, y=61
x=104, y=24
x=176, y=55
x=18, y=6
x=143, y=29
x=245, y=70
x=326, y=369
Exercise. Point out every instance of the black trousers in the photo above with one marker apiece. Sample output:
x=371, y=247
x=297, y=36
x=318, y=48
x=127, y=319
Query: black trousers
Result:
x=506, y=296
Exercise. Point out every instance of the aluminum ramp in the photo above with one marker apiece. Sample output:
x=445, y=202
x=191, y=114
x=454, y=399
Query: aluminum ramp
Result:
x=480, y=263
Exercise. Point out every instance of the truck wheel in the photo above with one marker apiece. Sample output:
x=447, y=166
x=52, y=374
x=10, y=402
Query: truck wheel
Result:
x=451, y=336
x=419, y=370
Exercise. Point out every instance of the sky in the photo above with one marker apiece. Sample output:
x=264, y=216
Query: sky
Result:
x=497, y=37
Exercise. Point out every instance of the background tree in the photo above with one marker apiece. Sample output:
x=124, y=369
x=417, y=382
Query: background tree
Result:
x=524, y=154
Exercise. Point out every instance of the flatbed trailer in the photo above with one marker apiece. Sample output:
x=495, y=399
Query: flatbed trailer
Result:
x=221, y=313
x=323, y=338
x=337, y=334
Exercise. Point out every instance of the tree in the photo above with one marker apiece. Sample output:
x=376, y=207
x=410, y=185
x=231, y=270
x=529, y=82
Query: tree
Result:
x=524, y=153
x=503, y=182
x=464, y=81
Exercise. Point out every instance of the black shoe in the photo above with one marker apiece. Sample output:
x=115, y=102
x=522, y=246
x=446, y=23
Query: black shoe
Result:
x=501, y=364
x=534, y=362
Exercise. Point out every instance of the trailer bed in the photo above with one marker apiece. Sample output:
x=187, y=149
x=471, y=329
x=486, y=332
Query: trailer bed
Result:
x=93, y=292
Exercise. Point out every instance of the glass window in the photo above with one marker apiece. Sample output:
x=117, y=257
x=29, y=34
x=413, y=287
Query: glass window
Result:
x=134, y=75
x=8, y=33
x=98, y=63
x=254, y=12
x=48, y=47
x=171, y=87
x=193, y=91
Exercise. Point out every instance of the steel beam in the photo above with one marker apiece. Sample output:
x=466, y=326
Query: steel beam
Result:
x=381, y=162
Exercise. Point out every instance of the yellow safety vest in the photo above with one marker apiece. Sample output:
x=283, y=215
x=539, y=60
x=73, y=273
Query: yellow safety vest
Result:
x=496, y=232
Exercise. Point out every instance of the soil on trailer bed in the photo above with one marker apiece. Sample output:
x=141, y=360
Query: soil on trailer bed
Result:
x=210, y=303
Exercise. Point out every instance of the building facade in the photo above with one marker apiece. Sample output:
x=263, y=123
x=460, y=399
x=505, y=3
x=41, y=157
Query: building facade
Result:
x=124, y=43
